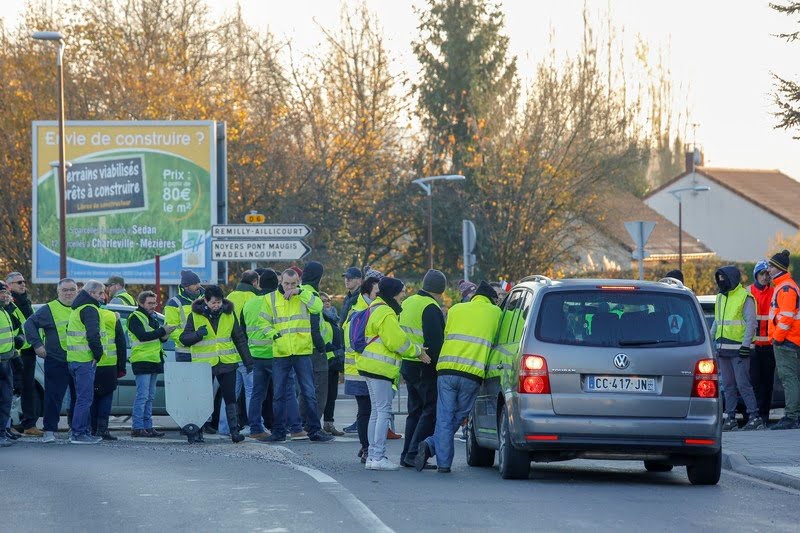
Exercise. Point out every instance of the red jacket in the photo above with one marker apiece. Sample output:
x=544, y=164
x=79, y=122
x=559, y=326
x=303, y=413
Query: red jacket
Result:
x=763, y=299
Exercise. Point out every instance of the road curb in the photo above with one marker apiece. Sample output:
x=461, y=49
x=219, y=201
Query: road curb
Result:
x=738, y=463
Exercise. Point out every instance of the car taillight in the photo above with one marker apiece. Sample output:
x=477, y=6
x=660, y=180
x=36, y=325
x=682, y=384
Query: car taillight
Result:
x=533, y=377
x=706, y=378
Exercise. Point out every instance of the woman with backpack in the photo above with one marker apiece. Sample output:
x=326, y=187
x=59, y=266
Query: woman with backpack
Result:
x=385, y=345
x=354, y=384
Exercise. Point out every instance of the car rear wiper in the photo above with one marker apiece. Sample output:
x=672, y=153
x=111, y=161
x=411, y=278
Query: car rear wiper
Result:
x=645, y=342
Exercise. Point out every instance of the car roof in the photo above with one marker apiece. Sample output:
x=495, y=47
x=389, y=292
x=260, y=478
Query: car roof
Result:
x=666, y=284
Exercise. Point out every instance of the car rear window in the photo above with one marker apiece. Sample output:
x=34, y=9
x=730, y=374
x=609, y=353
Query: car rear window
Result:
x=619, y=319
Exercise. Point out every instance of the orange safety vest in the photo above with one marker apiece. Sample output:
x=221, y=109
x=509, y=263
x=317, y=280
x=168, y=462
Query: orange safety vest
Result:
x=763, y=298
x=784, y=316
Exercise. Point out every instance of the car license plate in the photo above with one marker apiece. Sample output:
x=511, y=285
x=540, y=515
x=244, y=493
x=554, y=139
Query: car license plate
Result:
x=620, y=384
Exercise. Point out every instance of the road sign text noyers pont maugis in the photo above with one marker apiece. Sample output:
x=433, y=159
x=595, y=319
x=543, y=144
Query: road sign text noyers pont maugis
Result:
x=253, y=231
x=262, y=250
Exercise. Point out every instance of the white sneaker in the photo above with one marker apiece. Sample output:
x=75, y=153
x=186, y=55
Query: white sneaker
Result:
x=385, y=465
x=48, y=436
x=370, y=464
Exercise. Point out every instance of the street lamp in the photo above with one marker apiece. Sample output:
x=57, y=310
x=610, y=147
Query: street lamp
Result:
x=677, y=194
x=57, y=37
x=427, y=186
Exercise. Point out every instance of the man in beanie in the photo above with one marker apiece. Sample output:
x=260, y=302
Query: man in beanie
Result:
x=675, y=274
x=352, y=282
x=762, y=360
x=784, y=331
x=467, y=289
x=179, y=307
x=423, y=321
x=468, y=337
x=733, y=330
x=310, y=279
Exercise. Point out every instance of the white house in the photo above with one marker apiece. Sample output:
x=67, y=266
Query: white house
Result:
x=741, y=213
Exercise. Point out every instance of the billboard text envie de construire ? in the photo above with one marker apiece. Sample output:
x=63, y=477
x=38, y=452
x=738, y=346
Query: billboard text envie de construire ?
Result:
x=134, y=190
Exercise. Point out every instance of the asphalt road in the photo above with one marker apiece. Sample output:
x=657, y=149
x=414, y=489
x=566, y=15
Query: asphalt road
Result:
x=302, y=486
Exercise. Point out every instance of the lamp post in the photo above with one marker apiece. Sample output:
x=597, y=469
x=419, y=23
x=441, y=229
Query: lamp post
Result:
x=427, y=186
x=58, y=38
x=677, y=194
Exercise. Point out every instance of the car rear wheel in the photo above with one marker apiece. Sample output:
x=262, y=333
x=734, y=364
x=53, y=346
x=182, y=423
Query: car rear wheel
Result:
x=476, y=455
x=514, y=464
x=706, y=470
x=657, y=466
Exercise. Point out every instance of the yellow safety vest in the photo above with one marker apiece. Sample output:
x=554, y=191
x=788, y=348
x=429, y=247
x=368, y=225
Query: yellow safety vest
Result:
x=7, y=350
x=384, y=355
x=108, y=328
x=78, y=350
x=239, y=299
x=60, y=314
x=143, y=351
x=350, y=355
x=293, y=322
x=217, y=346
x=468, y=335
x=258, y=318
x=177, y=316
x=126, y=297
x=21, y=318
x=411, y=318
x=326, y=330
x=729, y=316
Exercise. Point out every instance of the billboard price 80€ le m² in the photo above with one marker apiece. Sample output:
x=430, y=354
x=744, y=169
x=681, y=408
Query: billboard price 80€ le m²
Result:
x=134, y=190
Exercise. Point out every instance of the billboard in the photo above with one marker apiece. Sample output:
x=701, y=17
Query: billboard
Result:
x=134, y=190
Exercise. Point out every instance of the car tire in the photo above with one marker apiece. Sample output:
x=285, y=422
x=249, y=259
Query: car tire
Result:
x=476, y=455
x=706, y=470
x=514, y=464
x=657, y=466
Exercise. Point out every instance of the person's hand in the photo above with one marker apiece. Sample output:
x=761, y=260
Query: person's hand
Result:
x=744, y=352
x=202, y=330
x=288, y=294
x=40, y=352
x=169, y=329
x=424, y=357
x=249, y=369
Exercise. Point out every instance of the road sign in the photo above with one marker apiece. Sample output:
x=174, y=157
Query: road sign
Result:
x=259, y=250
x=640, y=231
x=258, y=231
x=255, y=218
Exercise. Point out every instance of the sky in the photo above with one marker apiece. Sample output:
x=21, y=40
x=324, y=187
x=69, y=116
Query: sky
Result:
x=720, y=55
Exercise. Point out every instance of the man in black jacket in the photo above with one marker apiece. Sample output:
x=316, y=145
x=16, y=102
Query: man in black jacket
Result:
x=110, y=368
x=312, y=275
x=19, y=290
x=420, y=378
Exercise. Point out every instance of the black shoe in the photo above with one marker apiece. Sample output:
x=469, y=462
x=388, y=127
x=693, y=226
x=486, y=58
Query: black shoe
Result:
x=423, y=454
x=786, y=423
x=320, y=436
x=443, y=469
x=208, y=428
x=153, y=433
x=273, y=438
x=10, y=435
x=106, y=435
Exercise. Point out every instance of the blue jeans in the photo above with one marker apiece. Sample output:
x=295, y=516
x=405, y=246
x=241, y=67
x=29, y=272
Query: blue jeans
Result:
x=380, y=397
x=456, y=396
x=143, y=405
x=304, y=372
x=292, y=406
x=83, y=376
x=57, y=380
x=262, y=375
x=242, y=378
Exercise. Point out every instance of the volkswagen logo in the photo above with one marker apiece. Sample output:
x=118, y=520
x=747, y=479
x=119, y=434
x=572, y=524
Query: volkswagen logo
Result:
x=621, y=361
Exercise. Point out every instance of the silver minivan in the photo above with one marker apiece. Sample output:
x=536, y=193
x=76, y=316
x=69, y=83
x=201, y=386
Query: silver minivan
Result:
x=600, y=369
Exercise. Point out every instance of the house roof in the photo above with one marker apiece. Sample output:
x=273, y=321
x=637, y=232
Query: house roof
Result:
x=618, y=206
x=771, y=190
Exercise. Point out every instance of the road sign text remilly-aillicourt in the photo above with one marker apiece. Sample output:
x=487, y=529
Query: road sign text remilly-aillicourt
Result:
x=259, y=242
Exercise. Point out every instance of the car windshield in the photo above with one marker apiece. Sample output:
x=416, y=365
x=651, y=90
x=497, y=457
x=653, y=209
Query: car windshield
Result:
x=619, y=318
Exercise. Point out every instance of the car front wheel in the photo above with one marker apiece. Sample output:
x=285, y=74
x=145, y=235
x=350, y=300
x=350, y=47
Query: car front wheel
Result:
x=514, y=464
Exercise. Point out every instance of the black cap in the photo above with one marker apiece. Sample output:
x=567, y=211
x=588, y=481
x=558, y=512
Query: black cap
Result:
x=352, y=273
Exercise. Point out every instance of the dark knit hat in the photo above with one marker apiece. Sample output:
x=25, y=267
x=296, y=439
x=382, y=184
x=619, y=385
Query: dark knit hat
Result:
x=434, y=282
x=467, y=289
x=370, y=272
x=268, y=281
x=298, y=270
x=390, y=287
x=675, y=274
x=780, y=260
x=312, y=274
x=189, y=278
x=485, y=289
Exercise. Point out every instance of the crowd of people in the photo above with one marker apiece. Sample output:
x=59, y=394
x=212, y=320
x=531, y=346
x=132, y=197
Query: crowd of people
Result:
x=281, y=341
